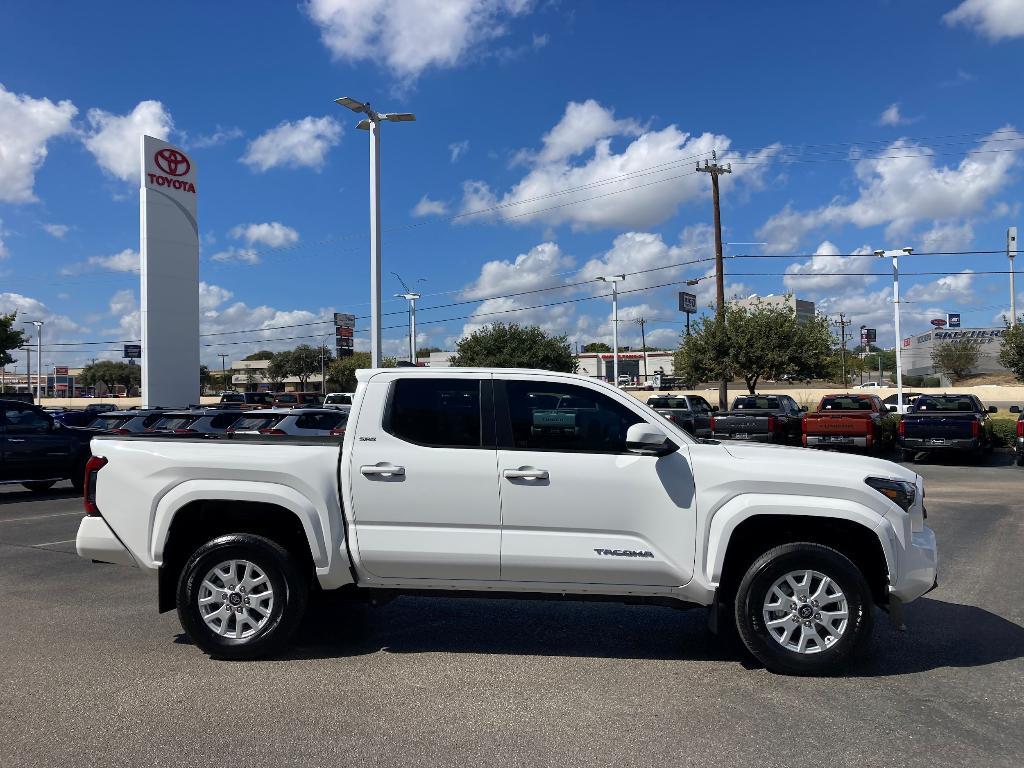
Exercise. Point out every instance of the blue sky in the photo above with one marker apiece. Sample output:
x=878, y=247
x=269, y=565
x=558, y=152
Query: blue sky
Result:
x=555, y=141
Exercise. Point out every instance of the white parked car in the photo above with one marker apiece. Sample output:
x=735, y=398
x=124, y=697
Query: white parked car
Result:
x=533, y=483
x=873, y=385
x=292, y=421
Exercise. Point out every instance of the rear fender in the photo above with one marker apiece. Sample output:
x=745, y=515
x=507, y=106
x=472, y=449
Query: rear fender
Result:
x=313, y=524
x=740, y=508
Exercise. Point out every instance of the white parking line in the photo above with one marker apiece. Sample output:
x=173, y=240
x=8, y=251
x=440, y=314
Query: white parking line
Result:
x=40, y=517
x=51, y=543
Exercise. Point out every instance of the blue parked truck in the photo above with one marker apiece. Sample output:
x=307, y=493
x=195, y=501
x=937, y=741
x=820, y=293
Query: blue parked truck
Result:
x=37, y=451
x=945, y=424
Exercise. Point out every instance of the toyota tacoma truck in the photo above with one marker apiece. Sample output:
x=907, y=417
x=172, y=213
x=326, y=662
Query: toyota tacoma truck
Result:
x=847, y=421
x=946, y=424
x=760, y=419
x=511, y=483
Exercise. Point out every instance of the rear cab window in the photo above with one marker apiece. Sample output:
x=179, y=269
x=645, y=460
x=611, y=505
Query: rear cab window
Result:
x=944, y=403
x=756, y=403
x=674, y=403
x=845, y=404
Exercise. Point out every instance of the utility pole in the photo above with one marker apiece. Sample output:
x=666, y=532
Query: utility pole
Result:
x=223, y=373
x=643, y=343
x=716, y=170
x=1011, y=252
x=614, y=280
x=896, y=312
x=842, y=323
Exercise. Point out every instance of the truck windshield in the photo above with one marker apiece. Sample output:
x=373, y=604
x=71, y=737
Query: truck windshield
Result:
x=943, y=403
x=755, y=403
x=845, y=404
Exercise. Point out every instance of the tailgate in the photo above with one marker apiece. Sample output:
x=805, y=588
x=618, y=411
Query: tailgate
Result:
x=855, y=425
x=945, y=427
x=741, y=424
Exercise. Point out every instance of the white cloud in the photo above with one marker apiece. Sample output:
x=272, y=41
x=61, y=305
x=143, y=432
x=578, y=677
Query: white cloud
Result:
x=57, y=326
x=56, y=230
x=458, y=149
x=4, y=253
x=994, y=19
x=950, y=290
x=411, y=36
x=237, y=255
x=215, y=139
x=428, y=207
x=826, y=271
x=949, y=236
x=901, y=187
x=303, y=143
x=577, y=154
x=537, y=268
x=26, y=125
x=273, y=234
x=114, y=139
x=127, y=260
x=891, y=116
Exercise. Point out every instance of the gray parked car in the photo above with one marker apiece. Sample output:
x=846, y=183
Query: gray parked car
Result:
x=691, y=412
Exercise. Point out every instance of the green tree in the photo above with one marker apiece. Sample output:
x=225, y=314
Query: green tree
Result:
x=10, y=338
x=514, y=346
x=279, y=369
x=111, y=372
x=263, y=354
x=763, y=341
x=341, y=374
x=426, y=351
x=956, y=357
x=596, y=346
x=1011, y=355
x=303, y=362
x=204, y=377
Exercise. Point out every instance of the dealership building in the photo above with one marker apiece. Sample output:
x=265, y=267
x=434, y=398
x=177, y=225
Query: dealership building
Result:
x=917, y=350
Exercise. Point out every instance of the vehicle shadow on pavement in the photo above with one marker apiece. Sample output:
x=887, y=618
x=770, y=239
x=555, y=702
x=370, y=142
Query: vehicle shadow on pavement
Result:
x=23, y=495
x=940, y=634
x=515, y=627
x=938, y=459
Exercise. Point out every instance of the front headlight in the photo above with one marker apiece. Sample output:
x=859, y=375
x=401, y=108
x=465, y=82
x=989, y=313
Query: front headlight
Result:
x=900, y=491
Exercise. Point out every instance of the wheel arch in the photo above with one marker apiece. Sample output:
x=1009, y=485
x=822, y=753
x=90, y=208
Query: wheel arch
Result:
x=739, y=535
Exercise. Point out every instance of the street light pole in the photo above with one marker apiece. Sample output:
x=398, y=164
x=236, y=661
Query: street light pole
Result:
x=614, y=280
x=39, y=358
x=896, y=311
x=372, y=124
x=1011, y=252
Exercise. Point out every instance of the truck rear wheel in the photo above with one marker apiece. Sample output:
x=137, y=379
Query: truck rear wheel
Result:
x=803, y=609
x=241, y=596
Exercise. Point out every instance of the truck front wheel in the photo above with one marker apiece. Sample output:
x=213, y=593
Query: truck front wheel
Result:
x=241, y=596
x=803, y=609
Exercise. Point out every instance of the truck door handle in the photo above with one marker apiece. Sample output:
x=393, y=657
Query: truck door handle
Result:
x=381, y=469
x=15, y=440
x=525, y=474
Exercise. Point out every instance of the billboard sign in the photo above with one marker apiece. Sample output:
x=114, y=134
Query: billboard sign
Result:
x=60, y=370
x=938, y=323
x=687, y=302
x=169, y=273
x=868, y=335
x=953, y=320
x=344, y=334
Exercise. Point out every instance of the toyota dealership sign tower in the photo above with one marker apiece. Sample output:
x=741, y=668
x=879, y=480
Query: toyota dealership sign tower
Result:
x=169, y=295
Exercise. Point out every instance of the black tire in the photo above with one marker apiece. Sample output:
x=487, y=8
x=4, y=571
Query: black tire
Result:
x=285, y=578
x=78, y=475
x=908, y=456
x=754, y=589
x=40, y=486
x=1020, y=459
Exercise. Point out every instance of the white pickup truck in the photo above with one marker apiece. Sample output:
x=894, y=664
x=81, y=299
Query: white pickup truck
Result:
x=478, y=482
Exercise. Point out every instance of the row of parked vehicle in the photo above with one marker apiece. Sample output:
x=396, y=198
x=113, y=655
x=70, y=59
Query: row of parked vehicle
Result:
x=929, y=423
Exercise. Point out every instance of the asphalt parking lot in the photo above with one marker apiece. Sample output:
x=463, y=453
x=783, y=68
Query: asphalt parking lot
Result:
x=92, y=675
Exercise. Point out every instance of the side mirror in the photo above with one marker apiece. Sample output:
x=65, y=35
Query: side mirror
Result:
x=893, y=409
x=1014, y=409
x=647, y=440
x=803, y=409
x=993, y=409
x=714, y=409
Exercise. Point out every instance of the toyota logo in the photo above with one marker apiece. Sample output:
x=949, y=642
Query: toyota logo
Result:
x=172, y=162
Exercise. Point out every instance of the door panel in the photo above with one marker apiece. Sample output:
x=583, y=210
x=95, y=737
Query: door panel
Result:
x=425, y=511
x=600, y=515
x=32, y=450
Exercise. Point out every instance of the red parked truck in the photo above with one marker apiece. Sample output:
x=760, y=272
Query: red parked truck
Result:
x=846, y=421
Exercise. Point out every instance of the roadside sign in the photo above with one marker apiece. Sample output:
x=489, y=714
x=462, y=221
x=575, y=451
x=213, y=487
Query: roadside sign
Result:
x=938, y=323
x=344, y=331
x=60, y=370
x=868, y=336
x=132, y=351
x=953, y=320
x=687, y=302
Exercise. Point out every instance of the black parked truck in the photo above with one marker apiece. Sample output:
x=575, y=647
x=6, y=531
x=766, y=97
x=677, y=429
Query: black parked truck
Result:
x=37, y=451
x=761, y=419
x=690, y=412
x=947, y=424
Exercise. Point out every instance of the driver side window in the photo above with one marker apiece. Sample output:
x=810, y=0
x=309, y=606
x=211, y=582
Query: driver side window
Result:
x=25, y=421
x=565, y=417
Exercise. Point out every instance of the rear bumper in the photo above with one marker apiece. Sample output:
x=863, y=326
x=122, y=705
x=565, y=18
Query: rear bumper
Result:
x=951, y=444
x=750, y=437
x=96, y=541
x=826, y=441
x=918, y=567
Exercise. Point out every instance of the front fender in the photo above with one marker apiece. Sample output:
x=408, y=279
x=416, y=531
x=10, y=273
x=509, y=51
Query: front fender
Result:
x=241, y=490
x=740, y=508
